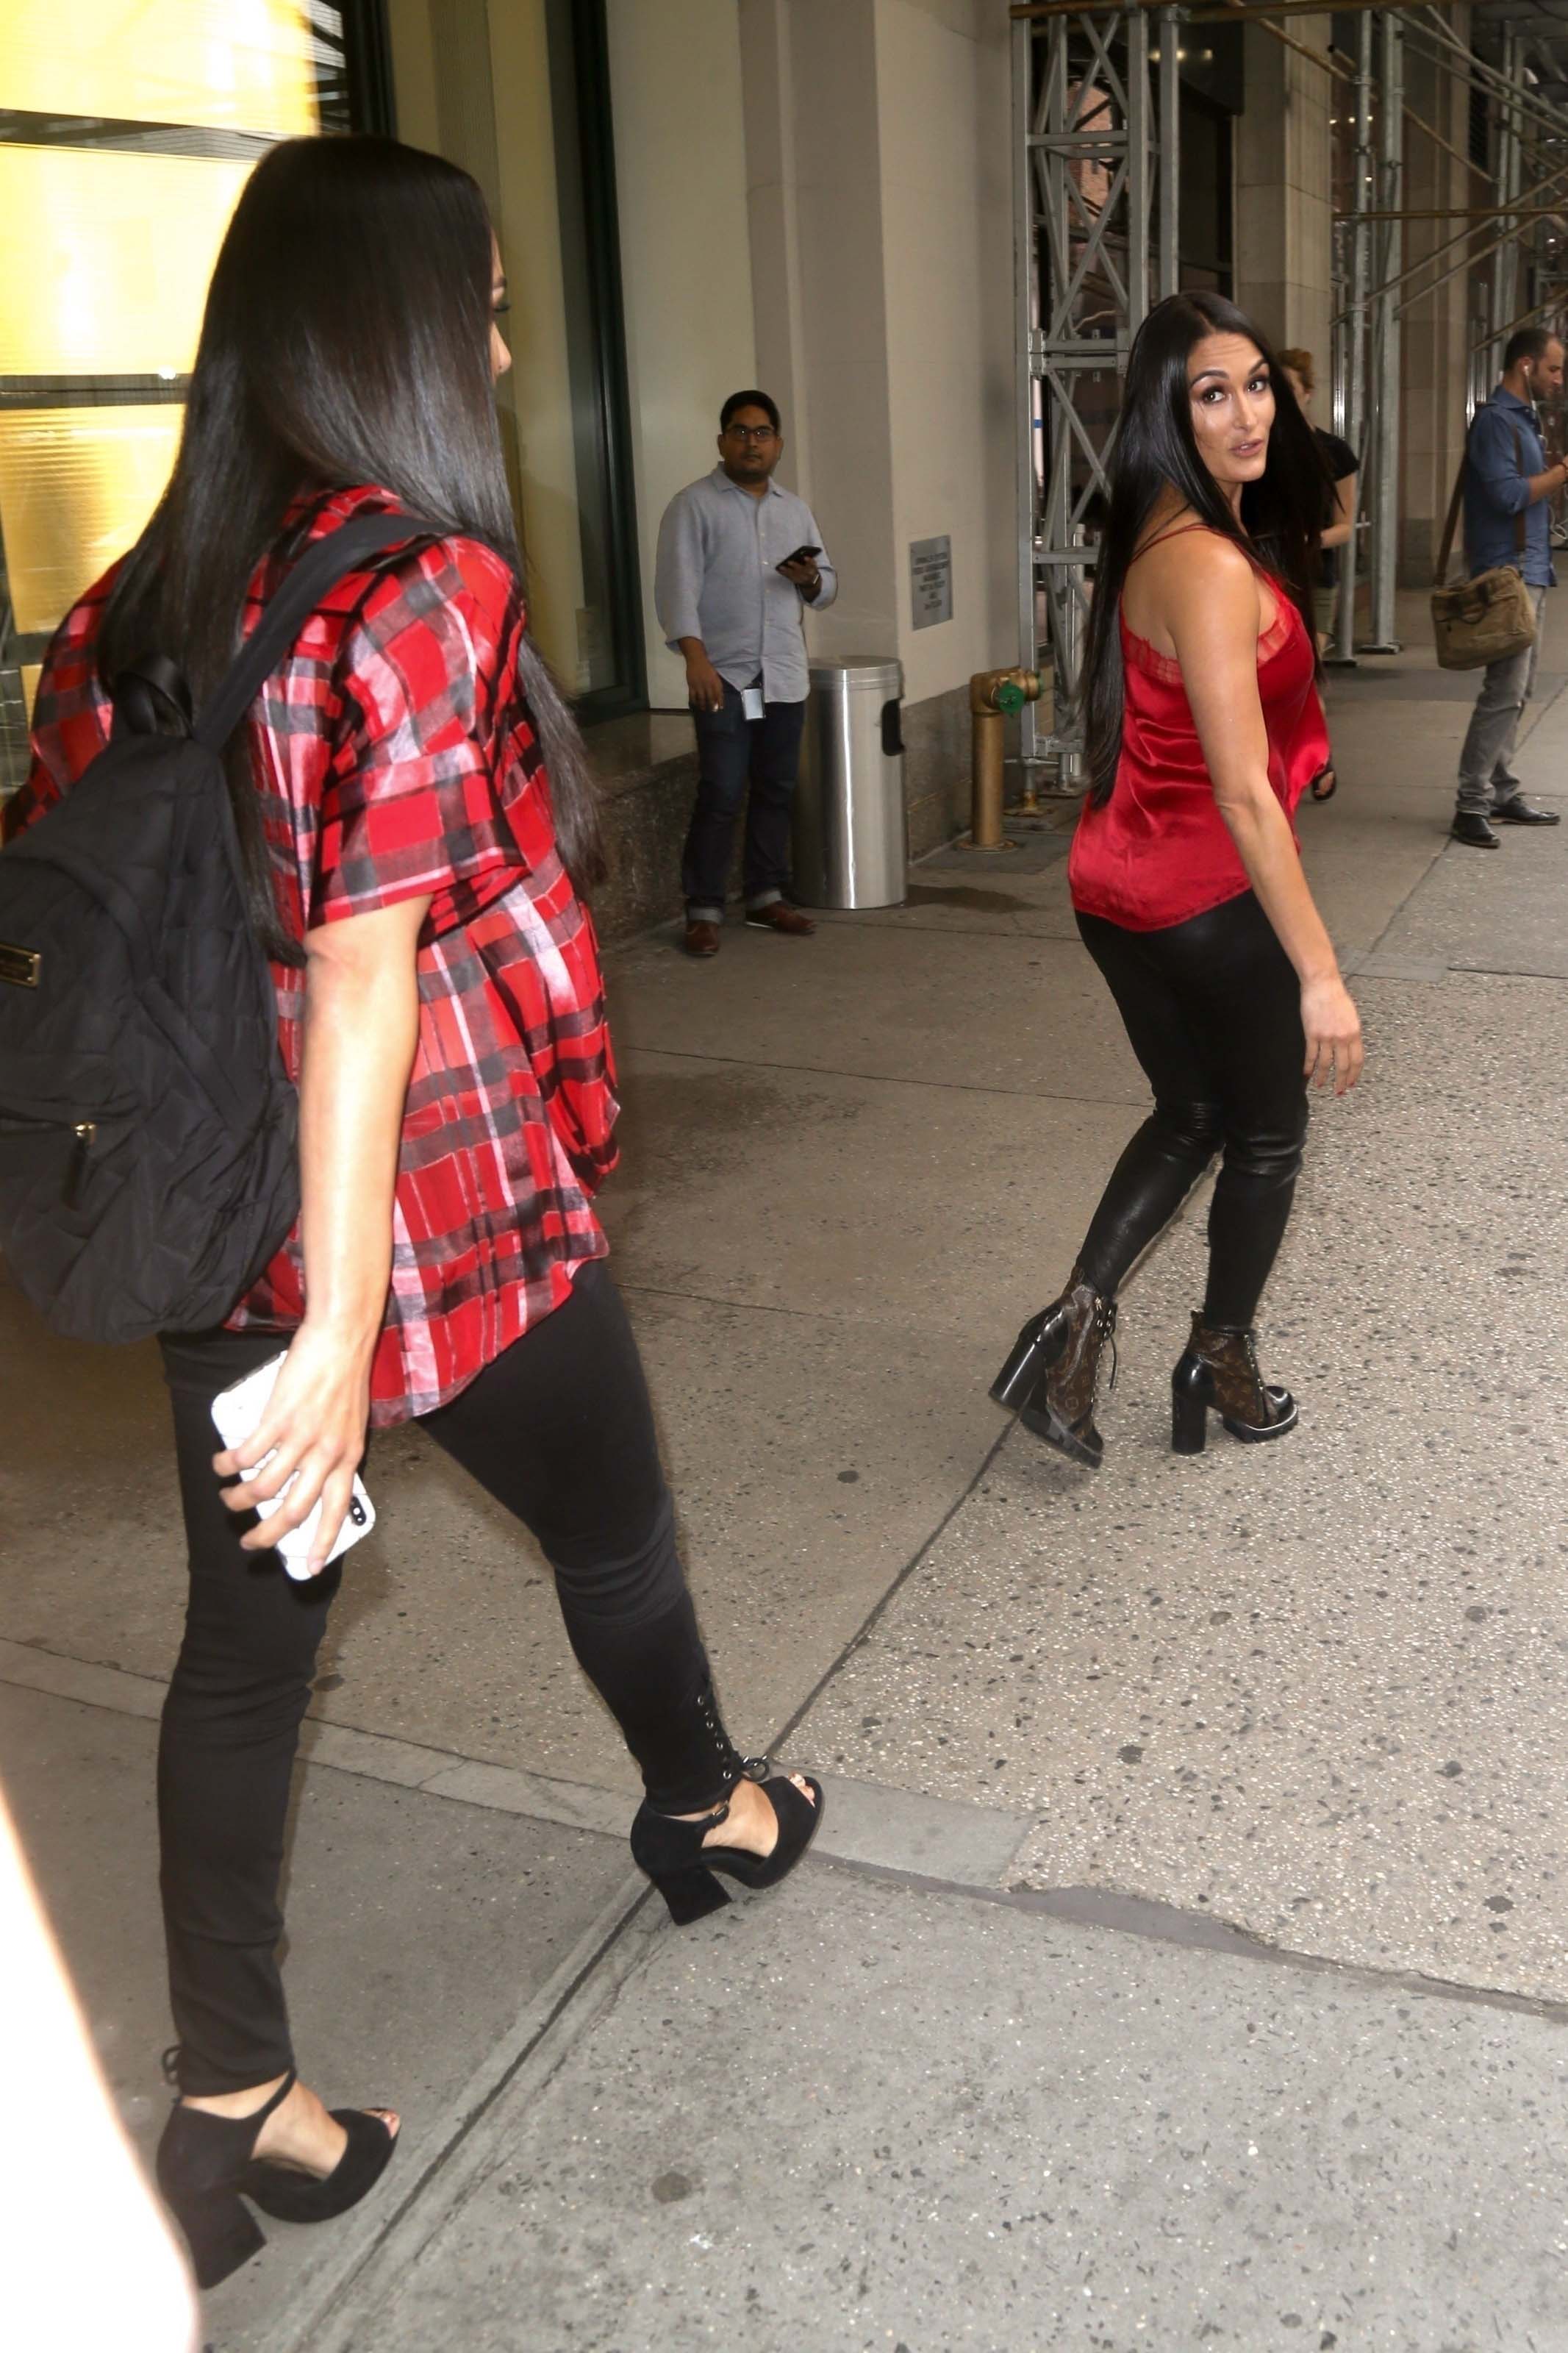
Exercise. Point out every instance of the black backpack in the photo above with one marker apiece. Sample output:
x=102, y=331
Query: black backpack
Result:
x=148, y=1130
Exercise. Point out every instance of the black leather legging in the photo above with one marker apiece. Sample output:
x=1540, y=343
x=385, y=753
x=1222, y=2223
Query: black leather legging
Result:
x=559, y=1429
x=1212, y=1011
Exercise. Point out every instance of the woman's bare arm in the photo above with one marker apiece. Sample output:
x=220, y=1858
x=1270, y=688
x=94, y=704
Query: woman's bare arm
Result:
x=362, y=1027
x=1210, y=595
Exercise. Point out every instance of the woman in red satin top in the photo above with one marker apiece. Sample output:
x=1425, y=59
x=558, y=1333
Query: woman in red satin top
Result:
x=1202, y=729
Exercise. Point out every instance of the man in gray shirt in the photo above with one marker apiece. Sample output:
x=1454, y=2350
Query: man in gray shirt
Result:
x=738, y=558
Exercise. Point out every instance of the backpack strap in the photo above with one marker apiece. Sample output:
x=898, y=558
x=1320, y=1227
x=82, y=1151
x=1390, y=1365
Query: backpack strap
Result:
x=319, y=570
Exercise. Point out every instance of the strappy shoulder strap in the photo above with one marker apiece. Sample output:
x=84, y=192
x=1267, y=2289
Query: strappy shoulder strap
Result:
x=1173, y=530
x=318, y=570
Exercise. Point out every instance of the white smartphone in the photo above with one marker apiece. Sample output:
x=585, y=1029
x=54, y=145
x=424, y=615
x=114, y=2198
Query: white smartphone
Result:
x=236, y=1412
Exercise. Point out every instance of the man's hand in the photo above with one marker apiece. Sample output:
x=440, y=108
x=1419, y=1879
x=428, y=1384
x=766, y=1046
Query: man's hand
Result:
x=704, y=686
x=803, y=574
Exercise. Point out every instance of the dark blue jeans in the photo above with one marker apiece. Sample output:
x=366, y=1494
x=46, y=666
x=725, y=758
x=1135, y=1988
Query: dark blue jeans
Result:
x=730, y=751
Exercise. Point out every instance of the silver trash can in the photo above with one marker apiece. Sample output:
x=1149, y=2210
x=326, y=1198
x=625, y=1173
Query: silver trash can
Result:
x=851, y=829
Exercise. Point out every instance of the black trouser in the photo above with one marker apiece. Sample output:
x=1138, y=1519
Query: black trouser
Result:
x=733, y=750
x=1212, y=1011
x=560, y=1430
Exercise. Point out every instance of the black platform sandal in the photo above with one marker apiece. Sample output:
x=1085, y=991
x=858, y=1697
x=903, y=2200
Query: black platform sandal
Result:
x=206, y=2167
x=682, y=1869
x=1217, y=1373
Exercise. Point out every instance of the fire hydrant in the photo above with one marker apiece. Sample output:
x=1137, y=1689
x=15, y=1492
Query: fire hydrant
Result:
x=993, y=693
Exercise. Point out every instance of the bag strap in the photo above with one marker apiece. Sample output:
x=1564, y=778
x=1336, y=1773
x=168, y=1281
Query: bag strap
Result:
x=317, y=571
x=1451, y=526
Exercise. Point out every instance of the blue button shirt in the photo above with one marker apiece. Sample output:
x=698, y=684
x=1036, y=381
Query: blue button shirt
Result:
x=1504, y=450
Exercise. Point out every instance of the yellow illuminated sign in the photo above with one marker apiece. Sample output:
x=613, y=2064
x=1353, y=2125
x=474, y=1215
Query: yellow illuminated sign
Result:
x=233, y=65
x=105, y=258
x=76, y=487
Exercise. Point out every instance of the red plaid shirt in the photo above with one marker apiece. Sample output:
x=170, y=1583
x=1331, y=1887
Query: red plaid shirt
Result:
x=394, y=756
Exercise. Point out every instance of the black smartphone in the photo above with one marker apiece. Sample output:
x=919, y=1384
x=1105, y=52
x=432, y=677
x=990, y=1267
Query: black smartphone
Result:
x=800, y=555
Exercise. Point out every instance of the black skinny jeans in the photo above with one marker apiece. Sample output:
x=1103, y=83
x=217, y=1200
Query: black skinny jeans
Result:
x=558, y=1428
x=1212, y=1011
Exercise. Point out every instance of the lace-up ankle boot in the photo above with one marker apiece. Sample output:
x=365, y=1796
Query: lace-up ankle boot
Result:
x=1051, y=1380
x=1218, y=1373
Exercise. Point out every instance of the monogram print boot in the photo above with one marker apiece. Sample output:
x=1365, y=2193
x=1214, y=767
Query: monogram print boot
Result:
x=1052, y=1377
x=1218, y=1374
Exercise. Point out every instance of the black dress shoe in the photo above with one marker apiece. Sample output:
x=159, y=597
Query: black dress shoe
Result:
x=1517, y=811
x=1474, y=830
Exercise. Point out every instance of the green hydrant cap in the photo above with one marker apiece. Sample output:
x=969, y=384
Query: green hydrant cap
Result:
x=1009, y=695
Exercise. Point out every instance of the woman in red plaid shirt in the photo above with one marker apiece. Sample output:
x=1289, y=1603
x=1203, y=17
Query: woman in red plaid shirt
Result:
x=417, y=826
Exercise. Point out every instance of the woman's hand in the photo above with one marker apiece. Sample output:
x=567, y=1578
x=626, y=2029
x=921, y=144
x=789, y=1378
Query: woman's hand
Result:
x=315, y=1420
x=361, y=1030
x=1334, y=1033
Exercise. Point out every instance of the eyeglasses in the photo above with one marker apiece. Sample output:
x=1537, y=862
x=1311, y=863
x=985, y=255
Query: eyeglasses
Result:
x=750, y=432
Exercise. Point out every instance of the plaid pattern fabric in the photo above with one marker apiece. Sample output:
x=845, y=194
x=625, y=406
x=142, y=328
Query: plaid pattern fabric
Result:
x=394, y=756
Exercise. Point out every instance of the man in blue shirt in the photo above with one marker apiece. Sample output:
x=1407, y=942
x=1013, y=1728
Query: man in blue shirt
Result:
x=1506, y=478
x=738, y=559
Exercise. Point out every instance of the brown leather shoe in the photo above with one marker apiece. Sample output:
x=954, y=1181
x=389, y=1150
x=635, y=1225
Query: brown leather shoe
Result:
x=701, y=940
x=776, y=917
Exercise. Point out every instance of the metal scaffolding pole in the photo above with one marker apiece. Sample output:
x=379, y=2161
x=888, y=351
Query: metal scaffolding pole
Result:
x=1140, y=179
x=1024, y=280
x=1087, y=167
x=1356, y=323
x=1385, y=551
x=1505, y=260
x=1169, y=277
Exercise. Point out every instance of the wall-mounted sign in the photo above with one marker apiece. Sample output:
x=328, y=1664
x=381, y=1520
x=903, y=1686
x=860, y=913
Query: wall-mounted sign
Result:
x=931, y=581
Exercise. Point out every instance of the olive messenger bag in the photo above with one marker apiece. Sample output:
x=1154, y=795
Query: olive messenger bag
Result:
x=1491, y=617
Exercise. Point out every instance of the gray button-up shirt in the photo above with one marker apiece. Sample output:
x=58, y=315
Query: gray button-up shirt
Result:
x=715, y=580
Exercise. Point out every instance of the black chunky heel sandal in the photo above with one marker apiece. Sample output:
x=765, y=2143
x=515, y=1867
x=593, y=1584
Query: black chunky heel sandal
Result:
x=290, y=2196
x=682, y=1869
x=201, y=2163
x=206, y=2167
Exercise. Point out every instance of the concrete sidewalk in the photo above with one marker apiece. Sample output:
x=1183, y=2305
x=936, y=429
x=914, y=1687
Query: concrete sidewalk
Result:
x=1188, y=1951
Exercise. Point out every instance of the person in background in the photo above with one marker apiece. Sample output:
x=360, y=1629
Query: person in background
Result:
x=1507, y=476
x=1341, y=466
x=738, y=560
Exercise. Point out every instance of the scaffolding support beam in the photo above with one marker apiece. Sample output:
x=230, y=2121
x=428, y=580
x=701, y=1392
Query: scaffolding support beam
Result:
x=1169, y=277
x=1097, y=190
x=1384, y=551
x=1355, y=328
x=1505, y=260
x=1022, y=342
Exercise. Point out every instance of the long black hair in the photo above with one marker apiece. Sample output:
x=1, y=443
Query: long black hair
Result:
x=345, y=341
x=1155, y=452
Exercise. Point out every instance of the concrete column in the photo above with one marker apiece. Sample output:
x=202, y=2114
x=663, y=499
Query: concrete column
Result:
x=1284, y=207
x=814, y=197
x=879, y=168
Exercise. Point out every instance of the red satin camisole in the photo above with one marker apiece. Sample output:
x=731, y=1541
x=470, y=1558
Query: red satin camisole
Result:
x=1158, y=852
